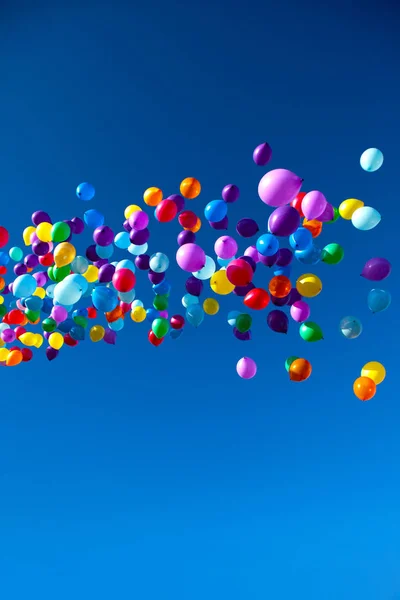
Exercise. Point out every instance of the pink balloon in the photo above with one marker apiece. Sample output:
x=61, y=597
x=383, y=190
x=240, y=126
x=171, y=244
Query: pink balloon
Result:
x=300, y=311
x=252, y=252
x=313, y=205
x=190, y=257
x=225, y=247
x=139, y=220
x=279, y=187
x=328, y=214
x=246, y=368
x=59, y=313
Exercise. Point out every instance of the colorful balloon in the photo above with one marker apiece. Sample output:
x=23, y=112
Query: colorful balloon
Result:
x=247, y=228
x=313, y=205
x=375, y=371
x=215, y=210
x=191, y=257
x=300, y=311
x=277, y=321
x=225, y=247
x=279, y=187
x=348, y=207
x=262, y=154
x=289, y=361
x=332, y=254
x=300, y=369
x=230, y=193
x=284, y=221
x=301, y=239
x=376, y=269
x=364, y=388
x=378, y=300
x=365, y=218
x=371, y=160
x=267, y=245
x=220, y=283
x=350, y=327
x=239, y=272
x=279, y=286
x=246, y=368
x=311, y=332
x=85, y=191
x=256, y=299
x=190, y=188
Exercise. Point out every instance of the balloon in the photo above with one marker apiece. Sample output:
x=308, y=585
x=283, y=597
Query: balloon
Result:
x=177, y=322
x=262, y=154
x=243, y=322
x=285, y=271
x=279, y=286
x=60, y=232
x=207, y=271
x=232, y=316
x=313, y=226
x=43, y=232
x=160, y=327
x=96, y=333
x=56, y=340
x=103, y=236
x=299, y=370
x=247, y=228
x=93, y=218
x=215, y=210
x=225, y=247
x=124, y=280
x=122, y=240
x=16, y=254
x=239, y=272
x=256, y=299
x=138, y=314
x=371, y=160
x=309, y=285
x=187, y=219
x=210, y=306
x=328, y=214
x=279, y=187
x=243, y=337
x=104, y=299
x=301, y=239
x=278, y=321
x=221, y=225
x=24, y=285
x=313, y=205
x=284, y=221
x=252, y=252
x=186, y=237
x=300, y=311
x=336, y=215
x=364, y=388
x=159, y=262
x=289, y=361
x=309, y=256
x=152, y=196
x=194, y=286
x=230, y=193
x=4, y=237
x=85, y=191
x=365, y=218
x=190, y=188
x=166, y=211
x=26, y=235
x=64, y=254
x=311, y=332
x=378, y=300
x=280, y=301
x=375, y=371
x=246, y=368
x=191, y=257
x=376, y=269
x=332, y=254
x=220, y=284
x=348, y=207
x=137, y=250
x=296, y=203
x=179, y=201
x=195, y=315
x=267, y=245
x=284, y=257
x=350, y=327
x=189, y=299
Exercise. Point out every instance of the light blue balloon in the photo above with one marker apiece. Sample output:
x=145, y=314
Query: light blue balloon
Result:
x=105, y=251
x=50, y=290
x=301, y=239
x=175, y=333
x=85, y=191
x=267, y=244
x=232, y=316
x=24, y=286
x=379, y=300
x=125, y=264
x=310, y=256
x=351, y=327
x=4, y=327
x=127, y=297
x=67, y=307
x=189, y=300
x=116, y=325
x=207, y=271
x=104, y=299
x=68, y=292
x=195, y=315
x=159, y=262
x=365, y=218
x=80, y=265
x=89, y=290
x=137, y=250
x=16, y=254
x=216, y=210
x=285, y=271
x=151, y=314
x=79, y=280
x=93, y=218
x=122, y=240
x=137, y=303
x=224, y=262
x=371, y=160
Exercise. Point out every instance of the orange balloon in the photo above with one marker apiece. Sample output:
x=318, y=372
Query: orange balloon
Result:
x=364, y=388
x=197, y=227
x=313, y=226
x=279, y=286
x=190, y=188
x=115, y=314
x=152, y=196
x=2, y=284
x=300, y=370
x=14, y=358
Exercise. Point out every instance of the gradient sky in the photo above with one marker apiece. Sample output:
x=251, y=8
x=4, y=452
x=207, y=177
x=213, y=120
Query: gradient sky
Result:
x=135, y=472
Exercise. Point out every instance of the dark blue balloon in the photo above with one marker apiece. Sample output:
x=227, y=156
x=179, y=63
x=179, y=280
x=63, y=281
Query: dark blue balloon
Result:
x=66, y=326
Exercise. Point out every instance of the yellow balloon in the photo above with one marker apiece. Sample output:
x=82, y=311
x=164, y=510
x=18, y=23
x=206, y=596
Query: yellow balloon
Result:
x=28, y=339
x=26, y=235
x=309, y=285
x=97, y=333
x=1, y=300
x=38, y=340
x=348, y=207
x=43, y=231
x=4, y=352
x=220, y=284
x=375, y=371
x=131, y=209
x=210, y=306
x=2, y=343
x=91, y=274
x=138, y=314
x=64, y=254
x=40, y=292
x=56, y=340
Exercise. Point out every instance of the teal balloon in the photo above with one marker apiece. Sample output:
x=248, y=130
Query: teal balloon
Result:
x=105, y=251
x=224, y=262
x=127, y=297
x=371, y=160
x=379, y=300
x=137, y=250
x=116, y=325
x=189, y=300
x=16, y=254
x=195, y=315
x=122, y=240
x=159, y=262
x=79, y=265
x=351, y=327
x=365, y=218
x=310, y=256
x=24, y=286
x=34, y=303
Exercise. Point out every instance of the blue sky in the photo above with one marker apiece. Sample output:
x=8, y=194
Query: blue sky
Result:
x=131, y=471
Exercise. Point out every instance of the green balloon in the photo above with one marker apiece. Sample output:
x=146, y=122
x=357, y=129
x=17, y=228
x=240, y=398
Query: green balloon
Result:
x=243, y=322
x=82, y=321
x=32, y=315
x=60, y=231
x=289, y=361
x=160, y=302
x=311, y=332
x=3, y=311
x=60, y=273
x=336, y=215
x=16, y=254
x=49, y=325
x=332, y=254
x=160, y=327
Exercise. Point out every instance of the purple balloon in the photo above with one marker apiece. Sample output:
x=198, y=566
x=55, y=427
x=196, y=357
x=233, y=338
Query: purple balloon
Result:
x=155, y=277
x=328, y=214
x=284, y=221
x=142, y=262
x=100, y=263
x=7, y=289
x=243, y=290
x=8, y=335
x=51, y=353
x=252, y=252
x=246, y=368
x=249, y=260
x=247, y=228
x=40, y=217
x=103, y=236
x=194, y=286
x=41, y=278
x=31, y=261
x=59, y=314
x=110, y=337
x=139, y=220
x=230, y=193
x=285, y=257
x=300, y=311
x=40, y=248
x=262, y=154
x=46, y=334
x=179, y=201
x=126, y=226
x=191, y=257
x=225, y=247
x=313, y=205
x=106, y=273
x=20, y=269
x=280, y=301
x=268, y=261
x=139, y=237
x=294, y=296
x=221, y=225
x=279, y=187
x=77, y=225
x=376, y=269
x=186, y=237
x=242, y=336
x=278, y=321
x=91, y=253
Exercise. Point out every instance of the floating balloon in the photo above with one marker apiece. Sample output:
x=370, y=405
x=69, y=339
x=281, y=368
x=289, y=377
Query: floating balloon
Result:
x=239, y=272
x=277, y=321
x=191, y=257
x=311, y=256
x=371, y=160
x=332, y=254
x=311, y=332
x=309, y=285
x=299, y=369
x=256, y=299
x=190, y=188
x=284, y=221
x=364, y=388
x=348, y=208
x=300, y=311
x=225, y=247
x=195, y=315
x=207, y=271
x=210, y=306
x=246, y=368
x=301, y=239
x=262, y=154
x=365, y=218
x=215, y=210
x=85, y=191
x=375, y=371
x=376, y=269
x=313, y=205
x=378, y=300
x=247, y=228
x=152, y=196
x=279, y=286
x=289, y=361
x=230, y=193
x=267, y=245
x=350, y=327
x=220, y=283
x=279, y=187
x=313, y=226
x=64, y=254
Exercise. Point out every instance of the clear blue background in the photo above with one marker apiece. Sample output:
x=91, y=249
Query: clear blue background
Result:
x=135, y=472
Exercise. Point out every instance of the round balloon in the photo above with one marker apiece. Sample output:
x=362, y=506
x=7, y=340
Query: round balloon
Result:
x=371, y=160
x=378, y=300
x=365, y=218
x=279, y=187
x=375, y=371
x=350, y=327
x=246, y=368
x=364, y=388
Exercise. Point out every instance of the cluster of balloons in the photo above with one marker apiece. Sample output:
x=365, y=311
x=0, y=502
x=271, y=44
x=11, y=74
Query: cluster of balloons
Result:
x=372, y=374
x=61, y=291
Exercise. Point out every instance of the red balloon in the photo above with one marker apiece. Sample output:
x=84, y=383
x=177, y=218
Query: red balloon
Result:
x=257, y=299
x=239, y=272
x=15, y=317
x=166, y=211
x=91, y=312
x=70, y=340
x=47, y=260
x=19, y=331
x=187, y=219
x=124, y=280
x=154, y=340
x=3, y=270
x=177, y=322
x=26, y=354
x=296, y=203
x=4, y=237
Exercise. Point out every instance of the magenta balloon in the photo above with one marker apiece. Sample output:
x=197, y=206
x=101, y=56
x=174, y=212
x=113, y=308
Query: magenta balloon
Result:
x=246, y=368
x=190, y=257
x=139, y=220
x=328, y=214
x=225, y=247
x=59, y=313
x=279, y=187
x=376, y=269
x=221, y=225
x=284, y=221
x=300, y=311
x=252, y=252
x=313, y=205
x=262, y=154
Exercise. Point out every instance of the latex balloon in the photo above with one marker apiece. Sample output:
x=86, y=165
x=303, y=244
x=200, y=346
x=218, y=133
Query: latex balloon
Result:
x=242, y=336
x=376, y=269
x=24, y=285
x=166, y=211
x=256, y=299
x=239, y=272
x=97, y=333
x=191, y=257
x=313, y=226
x=364, y=388
x=138, y=314
x=160, y=327
x=284, y=221
x=375, y=371
x=310, y=332
x=328, y=214
x=348, y=207
x=243, y=322
x=4, y=237
x=313, y=204
x=262, y=154
x=332, y=254
x=195, y=315
x=60, y=232
x=300, y=369
x=93, y=218
x=194, y=286
x=159, y=262
x=232, y=316
x=247, y=228
x=267, y=245
x=85, y=191
x=301, y=239
x=279, y=286
x=207, y=271
x=310, y=256
x=350, y=327
x=220, y=284
x=189, y=300
x=300, y=311
x=296, y=203
x=378, y=300
x=336, y=215
x=365, y=218
x=230, y=193
x=225, y=247
x=246, y=368
x=104, y=299
x=371, y=160
x=279, y=187
x=289, y=361
x=284, y=257
x=210, y=306
x=187, y=219
x=215, y=210
x=64, y=254
x=221, y=225
x=277, y=321
x=190, y=188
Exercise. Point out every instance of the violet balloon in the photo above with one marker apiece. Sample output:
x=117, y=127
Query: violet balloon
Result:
x=279, y=301
x=284, y=258
x=247, y=227
x=186, y=237
x=155, y=277
x=328, y=214
x=221, y=225
x=242, y=291
x=252, y=252
x=194, y=286
x=230, y=193
x=294, y=296
x=139, y=237
x=225, y=247
x=179, y=201
x=284, y=221
x=268, y=261
x=142, y=262
x=313, y=205
x=40, y=217
x=376, y=269
x=244, y=336
x=191, y=257
x=246, y=368
x=103, y=236
x=300, y=311
x=279, y=187
x=262, y=154
x=278, y=321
